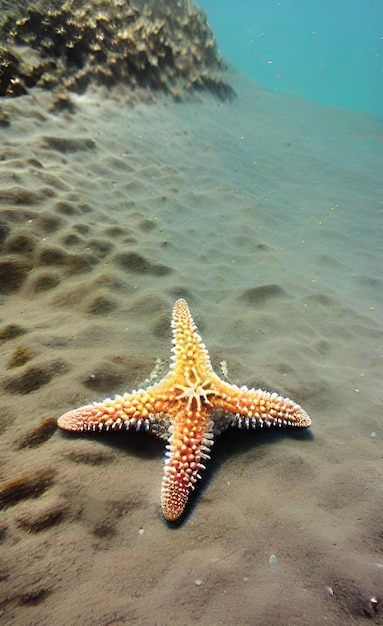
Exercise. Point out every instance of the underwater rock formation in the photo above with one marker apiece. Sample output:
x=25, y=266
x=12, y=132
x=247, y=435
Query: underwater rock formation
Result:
x=157, y=45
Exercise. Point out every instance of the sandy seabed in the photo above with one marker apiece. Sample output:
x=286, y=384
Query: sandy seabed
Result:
x=265, y=214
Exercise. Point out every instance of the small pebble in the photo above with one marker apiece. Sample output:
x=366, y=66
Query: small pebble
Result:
x=273, y=560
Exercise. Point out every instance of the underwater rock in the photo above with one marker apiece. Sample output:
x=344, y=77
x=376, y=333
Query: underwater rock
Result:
x=157, y=45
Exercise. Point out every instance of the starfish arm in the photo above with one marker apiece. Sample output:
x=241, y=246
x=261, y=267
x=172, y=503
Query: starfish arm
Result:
x=136, y=410
x=255, y=408
x=188, y=349
x=189, y=445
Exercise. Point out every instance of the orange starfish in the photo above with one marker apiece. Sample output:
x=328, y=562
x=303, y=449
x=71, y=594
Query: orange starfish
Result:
x=186, y=409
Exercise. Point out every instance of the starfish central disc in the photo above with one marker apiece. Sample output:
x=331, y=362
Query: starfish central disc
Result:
x=194, y=390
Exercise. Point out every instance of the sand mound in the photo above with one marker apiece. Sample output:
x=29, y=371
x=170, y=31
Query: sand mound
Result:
x=263, y=214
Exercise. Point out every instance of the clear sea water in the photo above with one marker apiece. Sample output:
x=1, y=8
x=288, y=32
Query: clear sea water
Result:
x=327, y=51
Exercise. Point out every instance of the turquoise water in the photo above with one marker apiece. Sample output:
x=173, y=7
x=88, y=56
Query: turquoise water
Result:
x=329, y=52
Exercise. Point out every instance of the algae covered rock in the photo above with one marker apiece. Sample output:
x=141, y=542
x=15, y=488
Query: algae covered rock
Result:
x=162, y=45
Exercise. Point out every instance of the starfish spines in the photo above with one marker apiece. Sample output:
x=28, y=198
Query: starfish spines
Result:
x=174, y=497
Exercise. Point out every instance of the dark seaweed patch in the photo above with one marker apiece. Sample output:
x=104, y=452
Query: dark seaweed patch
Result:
x=19, y=356
x=262, y=294
x=31, y=377
x=42, y=433
x=24, y=486
x=13, y=272
x=65, y=145
x=35, y=519
x=10, y=331
x=137, y=263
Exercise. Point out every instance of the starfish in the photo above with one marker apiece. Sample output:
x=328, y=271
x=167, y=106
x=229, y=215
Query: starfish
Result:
x=186, y=409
